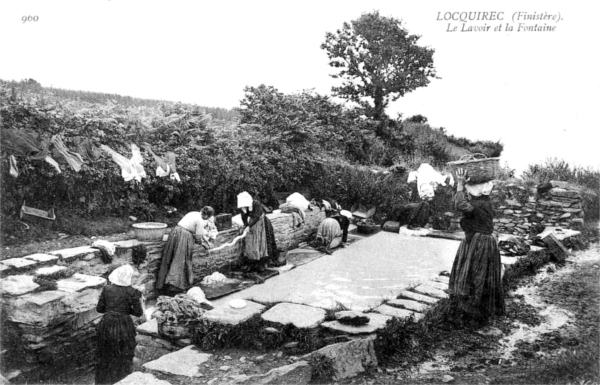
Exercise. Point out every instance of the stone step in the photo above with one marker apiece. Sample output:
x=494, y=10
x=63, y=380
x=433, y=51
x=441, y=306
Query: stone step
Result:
x=376, y=321
x=438, y=285
x=409, y=305
x=301, y=316
x=418, y=297
x=16, y=285
x=397, y=312
x=226, y=315
x=430, y=291
x=184, y=364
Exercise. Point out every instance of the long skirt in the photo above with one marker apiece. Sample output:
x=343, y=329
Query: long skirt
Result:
x=260, y=241
x=414, y=214
x=475, y=281
x=116, y=347
x=329, y=233
x=176, y=265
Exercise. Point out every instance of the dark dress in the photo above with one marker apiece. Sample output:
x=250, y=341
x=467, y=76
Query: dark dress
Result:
x=413, y=214
x=260, y=242
x=475, y=281
x=175, y=273
x=116, y=332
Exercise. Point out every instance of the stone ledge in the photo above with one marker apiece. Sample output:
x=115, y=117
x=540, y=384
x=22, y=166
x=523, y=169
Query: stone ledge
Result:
x=227, y=315
x=69, y=255
x=301, y=316
x=184, y=363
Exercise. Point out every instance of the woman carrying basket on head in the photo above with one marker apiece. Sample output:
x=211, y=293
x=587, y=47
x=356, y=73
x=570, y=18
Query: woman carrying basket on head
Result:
x=475, y=286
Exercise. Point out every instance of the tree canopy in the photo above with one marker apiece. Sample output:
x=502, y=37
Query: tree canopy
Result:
x=378, y=61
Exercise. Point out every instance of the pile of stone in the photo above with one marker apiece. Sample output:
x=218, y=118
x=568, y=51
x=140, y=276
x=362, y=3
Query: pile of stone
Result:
x=528, y=211
x=561, y=206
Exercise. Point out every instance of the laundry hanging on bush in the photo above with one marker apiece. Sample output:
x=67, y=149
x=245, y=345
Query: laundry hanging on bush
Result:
x=162, y=167
x=173, y=168
x=22, y=143
x=130, y=168
x=73, y=159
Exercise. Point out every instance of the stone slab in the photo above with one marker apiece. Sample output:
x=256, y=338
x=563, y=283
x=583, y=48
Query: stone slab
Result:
x=430, y=291
x=149, y=328
x=418, y=297
x=376, y=322
x=127, y=244
x=186, y=362
x=395, y=262
x=442, y=278
x=17, y=285
x=79, y=282
x=397, y=312
x=139, y=378
x=37, y=308
x=19, y=263
x=298, y=373
x=42, y=258
x=436, y=284
x=42, y=271
x=301, y=316
x=225, y=314
x=5, y=269
x=75, y=253
x=409, y=305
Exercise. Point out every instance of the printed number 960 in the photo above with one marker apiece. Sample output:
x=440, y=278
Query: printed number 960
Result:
x=25, y=19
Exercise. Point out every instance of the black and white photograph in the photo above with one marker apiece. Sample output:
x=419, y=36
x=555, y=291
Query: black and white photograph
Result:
x=318, y=192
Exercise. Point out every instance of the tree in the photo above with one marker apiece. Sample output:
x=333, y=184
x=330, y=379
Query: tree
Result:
x=377, y=59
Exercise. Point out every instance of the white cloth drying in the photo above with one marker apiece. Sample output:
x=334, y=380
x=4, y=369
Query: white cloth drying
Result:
x=299, y=200
x=427, y=180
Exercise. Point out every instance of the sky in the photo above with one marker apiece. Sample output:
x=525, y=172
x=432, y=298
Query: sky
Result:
x=533, y=91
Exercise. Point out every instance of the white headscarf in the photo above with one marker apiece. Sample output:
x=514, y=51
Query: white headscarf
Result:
x=479, y=189
x=244, y=200
x=122, y=276
x=346, y=213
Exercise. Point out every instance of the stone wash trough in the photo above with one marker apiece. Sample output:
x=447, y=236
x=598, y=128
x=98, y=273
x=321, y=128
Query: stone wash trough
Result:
x=48, y=330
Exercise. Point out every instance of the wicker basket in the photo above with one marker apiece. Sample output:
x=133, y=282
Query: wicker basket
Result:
x=479, y=168
x=149, y=231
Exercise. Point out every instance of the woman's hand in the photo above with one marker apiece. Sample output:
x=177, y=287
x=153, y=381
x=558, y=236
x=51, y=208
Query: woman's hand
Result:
x=461, y=177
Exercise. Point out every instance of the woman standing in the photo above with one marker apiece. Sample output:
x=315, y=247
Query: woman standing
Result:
x=475, y=282
x=116, y=332
x=175, y=274
x=259, y=246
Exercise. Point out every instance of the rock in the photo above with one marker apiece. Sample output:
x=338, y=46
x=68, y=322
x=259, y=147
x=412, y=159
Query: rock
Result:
x=185, y=363
x=297, y=373
x=437, y=285
x=137, y=378
x=447, y=378
x=224, y=368
x=242, y=359
x=149, y=328
x=15, y=285
x=301, y=316
x=348, y=358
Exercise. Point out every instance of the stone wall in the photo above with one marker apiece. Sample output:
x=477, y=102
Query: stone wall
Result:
x=523, y=211
x=47, y=331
